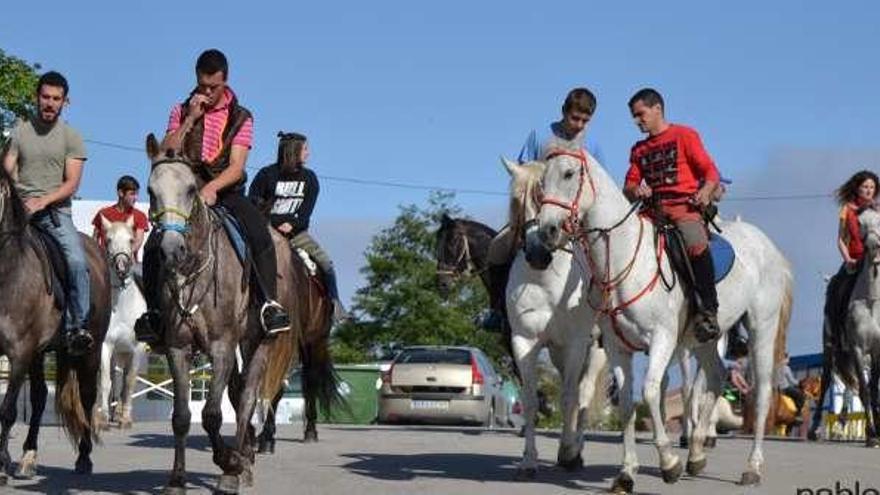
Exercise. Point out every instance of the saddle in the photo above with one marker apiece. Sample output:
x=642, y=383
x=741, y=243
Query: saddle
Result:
x=234, y=232
x=54, y=263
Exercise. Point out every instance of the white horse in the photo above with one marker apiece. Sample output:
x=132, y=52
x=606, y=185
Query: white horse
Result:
x=639, y=315
x=862, y=334
x=545, y=310
x=127, y=305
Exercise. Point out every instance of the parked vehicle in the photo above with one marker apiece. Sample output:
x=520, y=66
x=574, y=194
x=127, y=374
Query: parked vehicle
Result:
x=442, y=384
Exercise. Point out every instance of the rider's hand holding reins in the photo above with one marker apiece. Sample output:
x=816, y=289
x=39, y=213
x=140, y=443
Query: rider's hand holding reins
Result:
x=705, y=195
x=209, y=194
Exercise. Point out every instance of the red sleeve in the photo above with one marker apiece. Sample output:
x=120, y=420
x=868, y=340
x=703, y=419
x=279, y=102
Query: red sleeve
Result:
x=699, y=160
x=174, y=119
x=140, y=221
x=96, y=222
x=245, y=136
x=634, y=174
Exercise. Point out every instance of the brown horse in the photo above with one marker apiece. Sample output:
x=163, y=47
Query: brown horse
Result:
x=205, y=296
x=30, y=324
x=318, y=377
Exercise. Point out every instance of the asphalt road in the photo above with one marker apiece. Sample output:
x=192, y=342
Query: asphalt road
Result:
x=428, y=460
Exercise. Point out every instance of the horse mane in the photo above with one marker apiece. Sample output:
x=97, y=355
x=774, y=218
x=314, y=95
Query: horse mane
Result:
x=525, y=187
x=18, y=214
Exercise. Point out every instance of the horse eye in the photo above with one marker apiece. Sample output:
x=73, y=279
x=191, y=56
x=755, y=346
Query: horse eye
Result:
x=569, y=174
x=191, y=190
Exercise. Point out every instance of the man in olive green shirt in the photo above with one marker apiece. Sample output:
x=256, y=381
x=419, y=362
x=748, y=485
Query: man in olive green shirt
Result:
x=45, y=157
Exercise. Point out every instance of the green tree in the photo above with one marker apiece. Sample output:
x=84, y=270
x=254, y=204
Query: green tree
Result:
x=18, y=79
x=400, y=303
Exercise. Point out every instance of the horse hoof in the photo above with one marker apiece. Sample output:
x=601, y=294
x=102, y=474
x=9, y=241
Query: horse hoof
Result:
x=694, y=468
x=573, y=464
x=247, y=477
x=125, y=424
x=4, y=479
x=671, y=475
x=683, y=442
x=228, y=484
x=710, y=443
x=525, y=474
x=812, y=436
x=750, y=478
x=27, y=466
x=266, y=447
x=311, y=437
x=83, y=466
x=623, y=484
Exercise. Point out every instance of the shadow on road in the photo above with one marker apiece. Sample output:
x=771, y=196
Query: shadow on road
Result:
x=477, y=467
x=62, y=481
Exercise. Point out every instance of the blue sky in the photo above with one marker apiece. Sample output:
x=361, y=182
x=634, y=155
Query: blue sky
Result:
x=783, y=93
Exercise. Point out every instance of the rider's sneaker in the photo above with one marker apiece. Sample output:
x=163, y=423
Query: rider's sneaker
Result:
x=274, y=318
x=706, y=326
x=78, y=342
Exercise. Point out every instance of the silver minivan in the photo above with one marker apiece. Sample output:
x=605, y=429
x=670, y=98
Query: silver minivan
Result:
x=442, y=384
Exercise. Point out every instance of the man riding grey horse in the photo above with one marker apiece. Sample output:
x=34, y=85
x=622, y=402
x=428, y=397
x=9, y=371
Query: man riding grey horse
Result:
x=214, y=133
x=46, y=156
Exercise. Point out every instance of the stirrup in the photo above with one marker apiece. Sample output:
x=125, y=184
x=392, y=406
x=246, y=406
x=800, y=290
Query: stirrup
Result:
x=263, y=315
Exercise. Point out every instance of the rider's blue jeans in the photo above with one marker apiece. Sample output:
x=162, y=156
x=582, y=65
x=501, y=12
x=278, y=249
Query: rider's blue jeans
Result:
x=77, y=265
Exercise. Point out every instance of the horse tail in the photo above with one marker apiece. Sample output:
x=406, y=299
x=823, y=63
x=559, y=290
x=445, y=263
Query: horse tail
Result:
x=282, y=356
x=780, y=343
x=320, y=382
x=69, y=404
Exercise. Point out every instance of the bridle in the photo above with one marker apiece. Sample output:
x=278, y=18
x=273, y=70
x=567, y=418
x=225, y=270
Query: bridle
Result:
x=571, y=225
x=464, y=257
x=159, y=217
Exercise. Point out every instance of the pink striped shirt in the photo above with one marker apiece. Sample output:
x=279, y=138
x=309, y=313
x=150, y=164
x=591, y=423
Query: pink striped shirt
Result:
x=215, y=123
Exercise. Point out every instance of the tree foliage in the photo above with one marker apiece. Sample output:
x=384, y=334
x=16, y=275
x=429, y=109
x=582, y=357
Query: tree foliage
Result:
x=400, y=303
x=18, y=80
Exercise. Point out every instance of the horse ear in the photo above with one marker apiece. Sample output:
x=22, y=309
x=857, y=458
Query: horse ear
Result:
x=105, y=223
x=512, y=168
x=152, y=147
x=445, y=220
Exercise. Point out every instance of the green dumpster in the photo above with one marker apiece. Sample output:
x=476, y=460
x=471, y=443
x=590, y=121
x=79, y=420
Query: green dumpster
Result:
x=359, y=387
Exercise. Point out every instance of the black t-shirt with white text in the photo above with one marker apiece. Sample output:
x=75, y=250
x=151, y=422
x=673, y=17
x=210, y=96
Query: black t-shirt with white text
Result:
x=286, y=196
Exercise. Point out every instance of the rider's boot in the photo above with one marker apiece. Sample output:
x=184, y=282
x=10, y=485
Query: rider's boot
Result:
x=78, y=341
x=340, y=314
x=706, y=323
x=274, y=318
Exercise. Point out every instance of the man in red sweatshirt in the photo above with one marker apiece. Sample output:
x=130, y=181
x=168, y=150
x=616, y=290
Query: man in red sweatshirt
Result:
x=671, y=168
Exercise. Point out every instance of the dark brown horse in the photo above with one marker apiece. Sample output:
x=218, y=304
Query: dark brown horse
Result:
x=30, y=322
x=318, y=377
x=205, y=296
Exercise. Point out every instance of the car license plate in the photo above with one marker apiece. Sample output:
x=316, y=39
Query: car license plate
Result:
x=430, y=404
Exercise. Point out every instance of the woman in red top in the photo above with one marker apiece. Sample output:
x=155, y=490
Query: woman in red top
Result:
x=856, y=194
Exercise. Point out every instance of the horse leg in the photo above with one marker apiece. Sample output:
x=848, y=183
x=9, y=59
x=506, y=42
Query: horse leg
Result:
x=865, y=396
x=222, y=365
x=826, y=383
x=692, y=403
x=132, y=363
x=762, y=334
x=255, y=369
x=687, y=385
x=597, y=361
x=526, y=356
x=178, y=362
x=27, y=467
x=662, y=348
x=875, y=392
x=712, y=433
x=8, y=412
x=569, y=455
x=87, y=371
x=310, y=393
x=266, y=440
x=102, y=412
x=710, y=368
x=621, y=365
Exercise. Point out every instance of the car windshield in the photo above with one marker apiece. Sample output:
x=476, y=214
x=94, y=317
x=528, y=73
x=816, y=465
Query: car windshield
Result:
x=438, y=356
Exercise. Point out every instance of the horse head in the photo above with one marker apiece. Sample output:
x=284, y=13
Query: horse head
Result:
x=869, y=221
x=119, y=237
x=525, y=203
x=452, y=254
x=13, y=216
x=174, y=200
x=568, y=190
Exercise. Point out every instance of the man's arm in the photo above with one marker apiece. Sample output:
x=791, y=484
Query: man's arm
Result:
x=231, y=175
x=633, y=186
x=304, y=213
x=138, y=241
x=178, y=129
x=704, y=167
